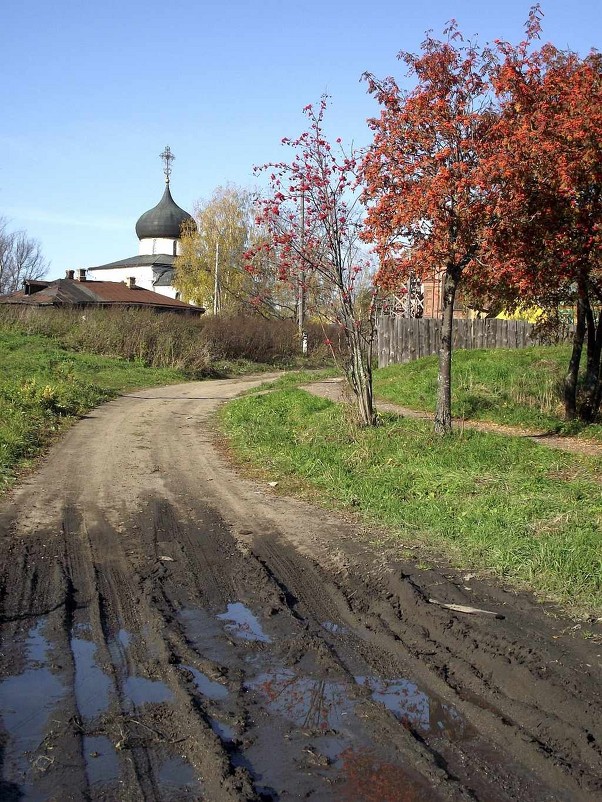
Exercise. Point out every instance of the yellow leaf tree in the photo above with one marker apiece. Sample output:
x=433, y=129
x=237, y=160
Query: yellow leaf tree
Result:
x=209, y=269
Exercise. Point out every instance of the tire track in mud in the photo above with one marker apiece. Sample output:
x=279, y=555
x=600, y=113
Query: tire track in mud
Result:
x=196, y=638
x=292, y=670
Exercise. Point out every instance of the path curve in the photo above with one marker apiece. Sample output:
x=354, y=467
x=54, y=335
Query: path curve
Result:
x=334, y=390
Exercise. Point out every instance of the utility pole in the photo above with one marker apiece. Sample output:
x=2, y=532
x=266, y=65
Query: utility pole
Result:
x=216, y=279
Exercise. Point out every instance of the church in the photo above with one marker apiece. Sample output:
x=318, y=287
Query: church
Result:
x=159, y=232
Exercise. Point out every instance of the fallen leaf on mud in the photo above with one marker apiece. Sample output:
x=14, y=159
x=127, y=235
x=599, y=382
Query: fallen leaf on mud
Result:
x=463, y=608
x=165, y=559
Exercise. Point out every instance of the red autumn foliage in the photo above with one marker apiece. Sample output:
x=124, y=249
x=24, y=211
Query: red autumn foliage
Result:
x=488, y=172
x=422, y=176
x=545, y=158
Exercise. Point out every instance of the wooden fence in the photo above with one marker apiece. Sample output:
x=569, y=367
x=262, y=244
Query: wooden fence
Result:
x=403, y=339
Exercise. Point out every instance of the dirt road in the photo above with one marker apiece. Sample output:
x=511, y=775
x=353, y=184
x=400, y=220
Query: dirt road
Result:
x=172, y=632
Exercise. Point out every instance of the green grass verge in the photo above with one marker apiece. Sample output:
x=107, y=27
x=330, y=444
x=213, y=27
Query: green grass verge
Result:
x=295, y=378
x=520, y=387
x=530, y=514
x=42, y=386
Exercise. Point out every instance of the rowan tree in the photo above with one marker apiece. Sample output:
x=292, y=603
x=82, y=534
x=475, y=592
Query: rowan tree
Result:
x=313, y=217
x=20, y=258
x=426, y=212
x=545, y=157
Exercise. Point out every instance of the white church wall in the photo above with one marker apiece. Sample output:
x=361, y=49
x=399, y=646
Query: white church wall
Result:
x=153, y=247
x=171, y=292
x=142, y=275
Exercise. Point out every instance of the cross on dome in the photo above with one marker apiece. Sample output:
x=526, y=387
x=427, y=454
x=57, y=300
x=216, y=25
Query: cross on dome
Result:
x=167, y=157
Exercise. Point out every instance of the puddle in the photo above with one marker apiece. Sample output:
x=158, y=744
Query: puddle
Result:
x=367, y=778
x=137, y=690
x=102, y=763
x=178, y=780
x=208, y=687
x=265, y=793
x=92, y=685
x=118, y=647
x=124, y=637
x=206, y=635
x=36, y=646
x=141, y=691
x=413, y=706
x=307, y=702
x=243, y=624
x=223, y=731
x=334, y=629
x=27, y=703
x=331, y=746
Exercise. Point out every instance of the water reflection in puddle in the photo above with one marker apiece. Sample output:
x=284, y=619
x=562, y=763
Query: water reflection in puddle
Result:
x=178, y=780
x=137, y=691
x=209, y=688
x=27, y=702
x=308, y=702
x=140, y=691
x=36, y=645
x=331, y=747
x=92, y=685
x=118, y=647
x=243, y=623
x=205, y=634
x=223, y=731
x=334, y=629
x=102, y=763
x=367, y=778
x=413, y=706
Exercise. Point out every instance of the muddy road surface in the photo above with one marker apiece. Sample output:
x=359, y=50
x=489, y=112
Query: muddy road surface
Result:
x=172, y=632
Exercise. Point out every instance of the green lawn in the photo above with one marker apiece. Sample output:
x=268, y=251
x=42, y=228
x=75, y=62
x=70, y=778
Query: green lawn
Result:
x=521, y=387
x=42, y=386
x=530, y=514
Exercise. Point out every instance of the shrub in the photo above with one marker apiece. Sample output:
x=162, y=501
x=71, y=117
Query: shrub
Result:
x=164, y=340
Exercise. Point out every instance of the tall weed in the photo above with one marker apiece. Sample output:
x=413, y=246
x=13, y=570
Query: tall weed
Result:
x=193, y=345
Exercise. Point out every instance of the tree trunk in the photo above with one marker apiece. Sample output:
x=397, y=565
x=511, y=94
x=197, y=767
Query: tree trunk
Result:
x=443, y=417
x=360, y=369
x=570, y=380
x=591, y=385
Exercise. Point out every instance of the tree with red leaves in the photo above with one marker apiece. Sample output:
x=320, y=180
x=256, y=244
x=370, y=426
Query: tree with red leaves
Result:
x=313, y=219
x=546, y=159
x=426, y=211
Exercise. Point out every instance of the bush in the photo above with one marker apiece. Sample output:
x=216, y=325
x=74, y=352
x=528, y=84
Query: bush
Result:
x=193, y=345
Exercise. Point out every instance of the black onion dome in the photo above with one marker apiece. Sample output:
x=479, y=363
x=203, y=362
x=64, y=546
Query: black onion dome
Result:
x=164, y=221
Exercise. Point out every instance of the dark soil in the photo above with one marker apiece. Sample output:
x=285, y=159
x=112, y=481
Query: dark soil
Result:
x=170, y=631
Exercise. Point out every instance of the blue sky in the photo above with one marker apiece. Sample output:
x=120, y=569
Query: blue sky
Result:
x=92, y=92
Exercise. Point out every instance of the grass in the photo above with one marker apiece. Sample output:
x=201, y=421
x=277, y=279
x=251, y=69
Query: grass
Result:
x=520, y=387
x=43, y=386
x=530, y=514
x=296, y=378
